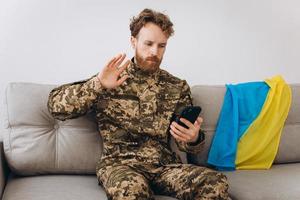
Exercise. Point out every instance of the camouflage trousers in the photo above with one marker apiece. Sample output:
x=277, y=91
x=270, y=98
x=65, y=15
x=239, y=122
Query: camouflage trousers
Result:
x=181, y=181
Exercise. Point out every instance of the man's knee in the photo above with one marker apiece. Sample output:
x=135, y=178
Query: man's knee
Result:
x=127, y=184
x=215, y=186
x=132, y=188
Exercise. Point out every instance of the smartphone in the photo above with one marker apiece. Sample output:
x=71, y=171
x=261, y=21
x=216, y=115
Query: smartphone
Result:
x=190, y=113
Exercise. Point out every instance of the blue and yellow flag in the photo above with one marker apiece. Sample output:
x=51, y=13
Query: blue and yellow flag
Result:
x=250, y=125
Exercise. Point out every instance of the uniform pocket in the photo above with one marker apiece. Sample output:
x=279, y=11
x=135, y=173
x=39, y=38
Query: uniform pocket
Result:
x=167, y=102
x=122, y=107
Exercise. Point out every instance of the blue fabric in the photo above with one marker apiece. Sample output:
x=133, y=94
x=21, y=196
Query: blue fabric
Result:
x=242, y=104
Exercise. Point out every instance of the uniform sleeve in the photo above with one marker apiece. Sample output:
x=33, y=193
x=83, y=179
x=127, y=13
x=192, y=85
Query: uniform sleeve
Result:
x=73, y=100
x=186, y=100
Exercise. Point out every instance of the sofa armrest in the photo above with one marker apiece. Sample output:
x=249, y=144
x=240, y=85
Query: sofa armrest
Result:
x=4, y=170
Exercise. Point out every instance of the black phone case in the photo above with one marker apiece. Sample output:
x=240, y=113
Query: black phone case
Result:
x=190, y=113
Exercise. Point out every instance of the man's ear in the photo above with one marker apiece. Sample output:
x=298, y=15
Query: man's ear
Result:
x=133, y=41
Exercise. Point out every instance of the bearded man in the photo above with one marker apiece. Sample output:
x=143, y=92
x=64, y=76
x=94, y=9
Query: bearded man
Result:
x=134, y=101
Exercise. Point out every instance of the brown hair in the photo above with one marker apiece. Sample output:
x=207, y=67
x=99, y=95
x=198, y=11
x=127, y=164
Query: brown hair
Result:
x=148, y=15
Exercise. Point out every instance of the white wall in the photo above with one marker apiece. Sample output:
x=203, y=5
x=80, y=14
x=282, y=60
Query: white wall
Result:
x=215, y=41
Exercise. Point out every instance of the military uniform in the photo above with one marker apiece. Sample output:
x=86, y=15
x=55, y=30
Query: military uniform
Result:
x=134, y=121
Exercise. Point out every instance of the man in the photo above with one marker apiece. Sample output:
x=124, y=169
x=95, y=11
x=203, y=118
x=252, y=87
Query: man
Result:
x=134, y=102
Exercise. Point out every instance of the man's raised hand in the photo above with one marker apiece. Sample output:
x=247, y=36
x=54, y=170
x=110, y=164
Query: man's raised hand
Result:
x=109, y=77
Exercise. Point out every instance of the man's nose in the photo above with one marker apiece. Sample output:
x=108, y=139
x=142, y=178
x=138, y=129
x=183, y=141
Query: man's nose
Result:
x=154, y=51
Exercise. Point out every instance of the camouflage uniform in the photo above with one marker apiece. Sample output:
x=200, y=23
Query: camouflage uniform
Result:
x=133, y=121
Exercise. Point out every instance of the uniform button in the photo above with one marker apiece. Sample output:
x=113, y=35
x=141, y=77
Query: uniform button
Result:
x=55, y=126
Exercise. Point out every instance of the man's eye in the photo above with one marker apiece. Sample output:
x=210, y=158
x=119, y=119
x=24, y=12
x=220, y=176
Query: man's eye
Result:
x=162, y=46
x=148, y=44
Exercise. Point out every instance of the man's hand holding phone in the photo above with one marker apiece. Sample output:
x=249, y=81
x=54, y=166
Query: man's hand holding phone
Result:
x=187, y=131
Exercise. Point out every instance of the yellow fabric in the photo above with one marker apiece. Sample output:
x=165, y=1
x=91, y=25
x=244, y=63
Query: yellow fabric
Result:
x=257, y=148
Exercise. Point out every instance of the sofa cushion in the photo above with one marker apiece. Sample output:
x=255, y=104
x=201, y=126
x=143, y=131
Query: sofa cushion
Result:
x=210, y=98
x=288, y=150
x=35, y=143
x=278, y=183
x=58, y=187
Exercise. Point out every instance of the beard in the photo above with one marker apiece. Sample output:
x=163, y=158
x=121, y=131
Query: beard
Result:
x=148, y=64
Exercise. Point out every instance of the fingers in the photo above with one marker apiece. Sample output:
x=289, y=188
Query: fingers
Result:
x=177, y=136
x=113, y=60
x=198, y=122
x=119, y=60
x=181, y=132
x=181, y=128
x=122, y=79
x=110, y=62
x=123, y=67
x=187, y=122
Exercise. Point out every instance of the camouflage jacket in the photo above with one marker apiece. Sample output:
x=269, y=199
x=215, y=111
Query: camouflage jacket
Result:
x=133, y=119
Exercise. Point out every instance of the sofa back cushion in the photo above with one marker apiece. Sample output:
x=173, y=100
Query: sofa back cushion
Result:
x=35, y=143
x=210, y=98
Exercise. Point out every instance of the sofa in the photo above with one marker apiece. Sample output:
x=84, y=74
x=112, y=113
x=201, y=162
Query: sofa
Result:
x=45, y=159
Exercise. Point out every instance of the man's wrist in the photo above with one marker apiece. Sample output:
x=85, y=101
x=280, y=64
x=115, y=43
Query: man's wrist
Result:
x=200, y=138
x=194, y=141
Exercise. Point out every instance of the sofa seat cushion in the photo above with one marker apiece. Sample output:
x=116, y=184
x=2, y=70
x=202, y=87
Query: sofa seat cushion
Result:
x=58, y=187
x=279, y=182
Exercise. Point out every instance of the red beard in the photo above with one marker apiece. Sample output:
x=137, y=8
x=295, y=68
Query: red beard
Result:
x=150, y=64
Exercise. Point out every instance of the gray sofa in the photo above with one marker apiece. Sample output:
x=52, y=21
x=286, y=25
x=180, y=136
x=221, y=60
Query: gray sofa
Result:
x=45, y=159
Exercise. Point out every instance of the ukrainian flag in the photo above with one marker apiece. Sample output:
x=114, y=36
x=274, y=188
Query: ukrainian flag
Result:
x=250, y=125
